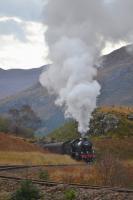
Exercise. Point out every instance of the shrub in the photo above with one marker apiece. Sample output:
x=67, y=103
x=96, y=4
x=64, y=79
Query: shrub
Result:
x=4, y=125
x=44, y=175
x=27, y=191
x=110, y=171
x=70, y=194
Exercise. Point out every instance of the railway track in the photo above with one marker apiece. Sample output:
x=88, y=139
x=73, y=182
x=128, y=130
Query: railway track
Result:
x=83, y=186
x=17, y=167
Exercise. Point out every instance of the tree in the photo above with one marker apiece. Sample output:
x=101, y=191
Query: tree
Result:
x=24, y=121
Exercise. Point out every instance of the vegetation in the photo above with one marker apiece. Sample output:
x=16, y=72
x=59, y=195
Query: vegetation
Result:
x=111, y=171
x=27, y=191
x=9, y=143
x=70, y=194
x=20, y=122
x=4, y=124
x=119, y=147
x=4, y=195
x=66, y=132
x=116, y=109
x=101, y=124
x=124, y=128
x=108, y=170
x=24, y=121
x=44, y=175
x=33, y=158
x=24, y=117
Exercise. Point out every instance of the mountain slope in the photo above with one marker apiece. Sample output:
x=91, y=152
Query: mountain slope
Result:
x=11, y=143
x=116, y=78
x=41, y=102
x=16, y=80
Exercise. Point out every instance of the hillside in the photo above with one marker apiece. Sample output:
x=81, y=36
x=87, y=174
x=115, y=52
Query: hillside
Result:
x=17, y=151
x=41, y=102
x=15, y=80
x=106, y=121
x=115, y=77
x=10, y=143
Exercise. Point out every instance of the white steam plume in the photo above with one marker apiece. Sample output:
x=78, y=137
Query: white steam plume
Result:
x=78, y=30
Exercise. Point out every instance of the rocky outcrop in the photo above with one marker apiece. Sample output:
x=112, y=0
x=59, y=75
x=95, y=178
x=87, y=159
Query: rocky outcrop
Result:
x=102, y=123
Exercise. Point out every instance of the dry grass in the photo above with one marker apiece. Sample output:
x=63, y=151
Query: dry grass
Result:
x=4, y=195
x=108, y=171
x=74, y=175
x=117, y=109
x=36, y=158
x=12, y=143
x=114, y=165
x=122, y=148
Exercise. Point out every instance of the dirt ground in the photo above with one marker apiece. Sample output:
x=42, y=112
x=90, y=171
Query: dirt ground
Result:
x=58, y=192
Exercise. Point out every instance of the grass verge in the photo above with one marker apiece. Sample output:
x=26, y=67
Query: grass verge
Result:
x=33, y=158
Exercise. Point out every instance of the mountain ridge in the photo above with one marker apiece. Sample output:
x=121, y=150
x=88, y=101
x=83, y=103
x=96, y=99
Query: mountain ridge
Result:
x=13, y=81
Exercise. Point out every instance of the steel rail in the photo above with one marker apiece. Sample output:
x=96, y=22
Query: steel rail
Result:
x=15, y=167
x=84, y=186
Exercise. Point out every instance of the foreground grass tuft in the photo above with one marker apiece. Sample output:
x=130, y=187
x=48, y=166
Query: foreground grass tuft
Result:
x=27, y=191
x=70, y=194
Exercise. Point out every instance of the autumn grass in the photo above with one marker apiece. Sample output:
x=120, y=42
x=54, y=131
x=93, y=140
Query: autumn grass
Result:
x=109, y=171
x=117, y=109
x=4, y=195
x=33, y=158
x=119, y=147
x=71, y=174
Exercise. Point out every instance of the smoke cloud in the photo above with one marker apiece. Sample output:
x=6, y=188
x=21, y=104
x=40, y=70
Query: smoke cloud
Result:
x=78, y=30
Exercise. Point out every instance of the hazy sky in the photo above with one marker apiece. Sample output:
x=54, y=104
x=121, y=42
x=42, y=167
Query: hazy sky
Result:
x=22, y=42
x=21, y=34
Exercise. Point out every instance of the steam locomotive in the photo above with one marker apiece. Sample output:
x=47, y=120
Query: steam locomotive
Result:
x=79, y=149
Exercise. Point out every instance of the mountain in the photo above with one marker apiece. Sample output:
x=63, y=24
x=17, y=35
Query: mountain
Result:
x=15, y=80
x=115, y=76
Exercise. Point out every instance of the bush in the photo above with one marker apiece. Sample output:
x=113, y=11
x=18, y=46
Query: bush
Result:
x=70, y=194
x=110, y=171
x=44, y=175
x=27, y=191
x=4, y=125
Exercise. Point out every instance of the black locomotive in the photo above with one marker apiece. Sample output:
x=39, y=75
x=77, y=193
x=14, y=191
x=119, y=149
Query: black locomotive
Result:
x=79, y=149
